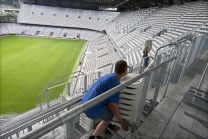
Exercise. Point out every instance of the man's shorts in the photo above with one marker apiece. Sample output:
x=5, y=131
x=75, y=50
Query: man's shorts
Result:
x=106, y=116
x=146, y=61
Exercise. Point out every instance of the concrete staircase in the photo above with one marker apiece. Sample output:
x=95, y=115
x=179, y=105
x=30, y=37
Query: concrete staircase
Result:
x=163, y=121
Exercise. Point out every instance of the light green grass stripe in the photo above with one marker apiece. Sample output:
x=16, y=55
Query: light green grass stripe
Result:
x=75, y=67
x=29, y=64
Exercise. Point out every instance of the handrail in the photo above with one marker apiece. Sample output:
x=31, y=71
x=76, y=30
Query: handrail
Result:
x=70, y=115
x=53, y=81
x=48, y=114
x=175, y=45
x=57, y=86
x=186, y=64
x=168, y=45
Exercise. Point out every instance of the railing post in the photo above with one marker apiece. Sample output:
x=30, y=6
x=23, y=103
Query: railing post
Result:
x=85, y=84
x=130, y=69
x=40, y=103
x=201, y=81
x=179, y=51
x=162, y=69
x=169, y=68
x=111, y=71
x=99, y=74
x=157, y=59
x=29, y=128
x=70, y=129
x=188, y=58
x=68, y=88
x=142, y=100
x=47, y=98
x=168, y=81
x=17, y=134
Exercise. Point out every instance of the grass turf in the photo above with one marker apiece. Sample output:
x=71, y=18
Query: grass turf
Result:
x=29, y=64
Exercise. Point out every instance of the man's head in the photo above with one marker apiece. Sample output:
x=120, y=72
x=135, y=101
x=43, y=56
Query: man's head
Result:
x=121, y=68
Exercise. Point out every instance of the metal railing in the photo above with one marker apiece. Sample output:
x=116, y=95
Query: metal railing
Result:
x=180, y=50
x=39, y=117
x=63, y=84
x=198, y=101
x=198, y=47
x=68, y=117
x=70, y=84
x=173, y=46
x=27, y=123
x=201, y=81
x=90, y=81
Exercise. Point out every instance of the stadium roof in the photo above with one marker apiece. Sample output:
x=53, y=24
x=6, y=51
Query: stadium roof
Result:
x=95, y=4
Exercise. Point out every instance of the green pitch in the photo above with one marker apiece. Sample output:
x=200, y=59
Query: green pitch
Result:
x=29, y=64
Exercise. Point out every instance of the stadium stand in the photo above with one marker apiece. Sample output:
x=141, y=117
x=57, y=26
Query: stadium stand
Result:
x=65, y=17
x=164, y=20
x=14, y=28
x=126, y=35
x=3, y=29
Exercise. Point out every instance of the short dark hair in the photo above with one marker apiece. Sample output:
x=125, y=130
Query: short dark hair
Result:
x=120, y=66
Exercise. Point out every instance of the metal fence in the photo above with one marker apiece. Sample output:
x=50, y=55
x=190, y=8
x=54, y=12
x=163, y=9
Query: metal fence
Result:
x=198, y=47
x=68, y=117
x=70, y=84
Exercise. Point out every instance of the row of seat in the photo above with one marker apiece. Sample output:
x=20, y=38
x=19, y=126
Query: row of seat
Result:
x=132, y=21
x=102, y=52
x=167, y=21
x=15, y=28
x=55, y=16
x=107, y=59
x=145, y=24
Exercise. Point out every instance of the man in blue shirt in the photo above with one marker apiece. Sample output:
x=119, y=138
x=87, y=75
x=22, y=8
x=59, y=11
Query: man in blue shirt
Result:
x=109, y=107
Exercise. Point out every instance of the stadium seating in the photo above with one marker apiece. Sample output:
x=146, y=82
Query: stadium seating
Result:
x=126, y=33
x=3, y=29
x=15, y=28
x=65, y=17
x=102, y=56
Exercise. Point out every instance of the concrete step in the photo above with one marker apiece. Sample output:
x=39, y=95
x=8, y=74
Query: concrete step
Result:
x=157, y=121
x=86, y=136
x=198, y=127
x=150, y=93
x=194, y=125
x=172, y=130
x=119, y=132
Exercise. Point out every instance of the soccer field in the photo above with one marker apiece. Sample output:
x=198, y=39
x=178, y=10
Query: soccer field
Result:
x=29, y=64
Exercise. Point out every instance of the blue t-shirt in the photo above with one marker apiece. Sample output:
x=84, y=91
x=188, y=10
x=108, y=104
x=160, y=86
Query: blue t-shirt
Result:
x=102, y=85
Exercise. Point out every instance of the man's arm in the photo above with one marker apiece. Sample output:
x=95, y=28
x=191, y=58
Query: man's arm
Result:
x=114, y=108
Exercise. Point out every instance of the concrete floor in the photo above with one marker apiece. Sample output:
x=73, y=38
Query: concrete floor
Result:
x=163, y=121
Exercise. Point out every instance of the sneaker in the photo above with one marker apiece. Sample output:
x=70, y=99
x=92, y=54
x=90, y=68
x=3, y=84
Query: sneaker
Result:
x=107, y=131
x=98, y=137
x=112, y=127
